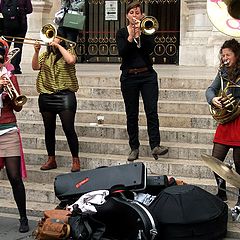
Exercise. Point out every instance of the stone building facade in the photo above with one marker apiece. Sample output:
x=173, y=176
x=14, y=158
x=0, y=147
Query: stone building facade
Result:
x=199, y=39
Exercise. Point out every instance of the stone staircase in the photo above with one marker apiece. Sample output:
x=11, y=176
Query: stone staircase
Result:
x=186, y=127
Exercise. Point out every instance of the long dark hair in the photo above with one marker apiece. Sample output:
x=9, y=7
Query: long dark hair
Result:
x=56, y=50
x=234, y=45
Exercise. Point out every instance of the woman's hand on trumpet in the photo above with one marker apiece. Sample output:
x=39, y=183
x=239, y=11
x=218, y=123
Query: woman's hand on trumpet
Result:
x=3, y=81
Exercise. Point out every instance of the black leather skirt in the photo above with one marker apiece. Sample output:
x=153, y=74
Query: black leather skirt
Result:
x=57, y=102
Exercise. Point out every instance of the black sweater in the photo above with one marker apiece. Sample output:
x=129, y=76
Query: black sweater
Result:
x=132, y=56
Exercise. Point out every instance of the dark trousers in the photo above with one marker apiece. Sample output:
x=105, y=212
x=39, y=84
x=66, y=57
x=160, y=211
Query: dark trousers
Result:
x=132, y=86
x=18, y=30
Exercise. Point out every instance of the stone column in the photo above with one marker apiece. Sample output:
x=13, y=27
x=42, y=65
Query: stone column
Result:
x=195, y=30
x=200, y=40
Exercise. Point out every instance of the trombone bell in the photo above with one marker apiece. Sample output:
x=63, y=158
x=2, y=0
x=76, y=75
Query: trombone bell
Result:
x=149, y=25
x=49, y=32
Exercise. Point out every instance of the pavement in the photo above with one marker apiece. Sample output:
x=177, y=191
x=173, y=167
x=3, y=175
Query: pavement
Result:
x=9, y=224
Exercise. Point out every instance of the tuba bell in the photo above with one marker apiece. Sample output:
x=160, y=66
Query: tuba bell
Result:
x=149, y=25
x=233, y=8
x=225, y=16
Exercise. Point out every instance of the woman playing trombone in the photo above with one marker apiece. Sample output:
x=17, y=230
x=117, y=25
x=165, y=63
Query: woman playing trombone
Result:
x=11, y=154
x=139, y=77
x=57, y=84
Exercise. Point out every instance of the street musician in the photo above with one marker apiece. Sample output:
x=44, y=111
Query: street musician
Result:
x=11, y=153
x=223, y=95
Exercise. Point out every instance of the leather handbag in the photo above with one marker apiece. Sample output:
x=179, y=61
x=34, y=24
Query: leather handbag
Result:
x=54, y=225
x=74, y=20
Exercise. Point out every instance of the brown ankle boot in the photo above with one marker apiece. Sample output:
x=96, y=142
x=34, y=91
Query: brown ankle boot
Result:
x=50, y=164
x=75, y=164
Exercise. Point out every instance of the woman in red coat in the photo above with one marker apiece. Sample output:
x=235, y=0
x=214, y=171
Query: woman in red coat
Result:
x=11, y=154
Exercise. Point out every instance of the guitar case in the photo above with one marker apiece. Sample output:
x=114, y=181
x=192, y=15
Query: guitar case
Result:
x=70, y=186
x=187, y=212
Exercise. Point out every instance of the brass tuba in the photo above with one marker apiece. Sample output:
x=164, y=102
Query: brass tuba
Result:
x=230, y=107
x=224, y=15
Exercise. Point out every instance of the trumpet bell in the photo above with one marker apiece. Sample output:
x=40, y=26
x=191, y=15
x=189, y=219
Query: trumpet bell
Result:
x=48, y=33
x=149, y=25
x=225, y=16
x=20, y=100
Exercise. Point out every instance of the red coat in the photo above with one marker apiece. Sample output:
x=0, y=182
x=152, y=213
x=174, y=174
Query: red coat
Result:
x=7, y=114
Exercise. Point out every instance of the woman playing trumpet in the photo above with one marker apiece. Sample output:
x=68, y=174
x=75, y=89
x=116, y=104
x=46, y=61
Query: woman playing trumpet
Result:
x=227, y=135
x=11, y=154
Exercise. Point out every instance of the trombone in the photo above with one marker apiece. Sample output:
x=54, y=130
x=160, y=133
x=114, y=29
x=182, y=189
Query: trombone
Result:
x=47, y=34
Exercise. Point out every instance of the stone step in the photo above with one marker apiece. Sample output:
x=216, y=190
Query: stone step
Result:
x=34, y=208
x=172, y=120
x=118, y=146
x=35, y=192
x=115, y=93
x=180, y=168
x=34, y=158
x=117, y=105
x=170, y=134
x=112, y=80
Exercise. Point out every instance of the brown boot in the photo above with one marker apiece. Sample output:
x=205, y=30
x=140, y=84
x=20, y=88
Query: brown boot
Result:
x=75, y=164
x=50, y=164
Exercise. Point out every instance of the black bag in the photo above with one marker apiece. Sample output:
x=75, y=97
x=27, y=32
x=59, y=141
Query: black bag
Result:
x=126, y=219
x=84, y=226
x=188, y=212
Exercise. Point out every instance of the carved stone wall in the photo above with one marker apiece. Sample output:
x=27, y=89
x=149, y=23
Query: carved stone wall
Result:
x=200, y=41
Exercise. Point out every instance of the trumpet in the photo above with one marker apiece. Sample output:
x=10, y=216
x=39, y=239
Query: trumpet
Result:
x=47, y=34
x=16, y=98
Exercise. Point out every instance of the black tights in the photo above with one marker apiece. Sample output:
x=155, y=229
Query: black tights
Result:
x=220, y=152
x=13, y=166
x=67, y=118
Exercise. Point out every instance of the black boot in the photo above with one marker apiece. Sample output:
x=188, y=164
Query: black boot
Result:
x=23, y=225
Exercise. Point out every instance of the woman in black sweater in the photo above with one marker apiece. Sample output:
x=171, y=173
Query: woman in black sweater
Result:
x=138, y=76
